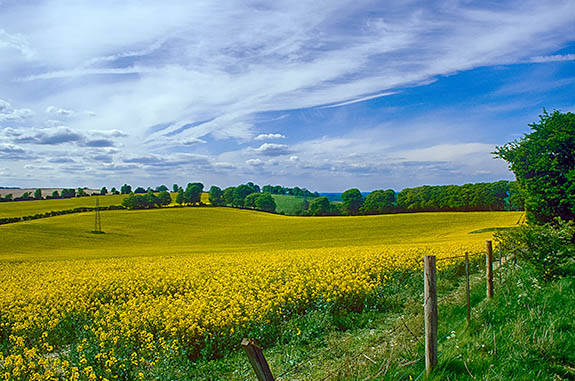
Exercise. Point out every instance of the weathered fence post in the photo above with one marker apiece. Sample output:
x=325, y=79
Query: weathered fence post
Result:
x=489, y=267
x=467, y=292
x=258, y=361
x=430, y=313
x=500, y=263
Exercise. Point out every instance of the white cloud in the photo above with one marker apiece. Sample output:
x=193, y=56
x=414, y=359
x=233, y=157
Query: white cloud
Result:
x=59, y=111
x=255, y=162
x=269, y=136
x=10, y=114
x=272, y=149
x=109, y=133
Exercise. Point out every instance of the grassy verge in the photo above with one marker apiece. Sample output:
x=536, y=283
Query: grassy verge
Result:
x=525, y=332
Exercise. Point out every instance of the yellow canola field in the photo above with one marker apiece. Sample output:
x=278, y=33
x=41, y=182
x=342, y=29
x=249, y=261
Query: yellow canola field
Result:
x=123, y=317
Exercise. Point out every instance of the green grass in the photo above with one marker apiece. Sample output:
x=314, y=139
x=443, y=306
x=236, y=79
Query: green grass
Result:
x=176, y=231
x=525, y=332
x=289, y=205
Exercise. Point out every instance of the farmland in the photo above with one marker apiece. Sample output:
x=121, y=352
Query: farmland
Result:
x=177, y=284
x=29, y=208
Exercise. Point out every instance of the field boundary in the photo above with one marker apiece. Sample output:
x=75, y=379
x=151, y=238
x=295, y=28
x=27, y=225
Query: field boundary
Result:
x=431, y=355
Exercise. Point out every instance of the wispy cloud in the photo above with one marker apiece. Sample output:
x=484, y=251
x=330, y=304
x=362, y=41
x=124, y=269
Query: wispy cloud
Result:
x=553, y=58
x=362, y=99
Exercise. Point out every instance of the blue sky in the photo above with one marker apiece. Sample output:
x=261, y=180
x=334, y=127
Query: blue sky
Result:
x=326, y=95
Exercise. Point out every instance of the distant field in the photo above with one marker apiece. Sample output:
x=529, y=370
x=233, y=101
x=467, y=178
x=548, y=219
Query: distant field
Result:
x=166, y=286
x=29, y=208
x=174, y=231
x=289, y=205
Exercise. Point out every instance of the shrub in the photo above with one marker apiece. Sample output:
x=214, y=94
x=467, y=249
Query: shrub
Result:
x=548, y=247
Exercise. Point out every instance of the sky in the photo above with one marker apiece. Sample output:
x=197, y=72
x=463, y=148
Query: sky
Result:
x=323, y=94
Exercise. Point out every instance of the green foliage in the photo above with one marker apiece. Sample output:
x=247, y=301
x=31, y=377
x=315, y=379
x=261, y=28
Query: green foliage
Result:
x=165, y=198
x=38, y=194
x=352, y=201
x=216, y=196
x=547, y=247
x=140, y=190
x=319, y=207
x=114, y=191
x=378, y=202
x=464, y=198
x=162, y=188
x=146, y=201
x=68, y=193
x=265, y=202
x=516, y=197
x=250, y=200
x=544, y=164
x=295, y=191
x=180, y=196
x=240, y=194
x=525, y=332
x=229, y=195
x=125, y=189
x=193, y=193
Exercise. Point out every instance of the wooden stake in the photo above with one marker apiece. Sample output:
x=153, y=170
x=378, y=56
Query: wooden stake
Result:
x=499, y=270
x=489, y=268
x=467, y=292
x=430, y=313
x=258, y=361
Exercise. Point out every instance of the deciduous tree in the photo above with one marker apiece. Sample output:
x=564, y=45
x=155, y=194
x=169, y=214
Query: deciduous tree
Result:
x=352, y=201
x=543, y=162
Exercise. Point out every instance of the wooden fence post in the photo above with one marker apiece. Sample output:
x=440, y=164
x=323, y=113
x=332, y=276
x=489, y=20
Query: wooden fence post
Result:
x=258, y=361
x=467, y=291
x=489, y=268
x=430, y=313
x=500, y=264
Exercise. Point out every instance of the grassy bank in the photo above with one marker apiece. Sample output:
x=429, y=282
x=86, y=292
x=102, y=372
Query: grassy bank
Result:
x=526, y=332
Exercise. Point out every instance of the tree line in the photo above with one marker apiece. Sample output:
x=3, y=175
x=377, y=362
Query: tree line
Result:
x=295, y=191
x=500, y=195
x=248, y=196
x=497, y=196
